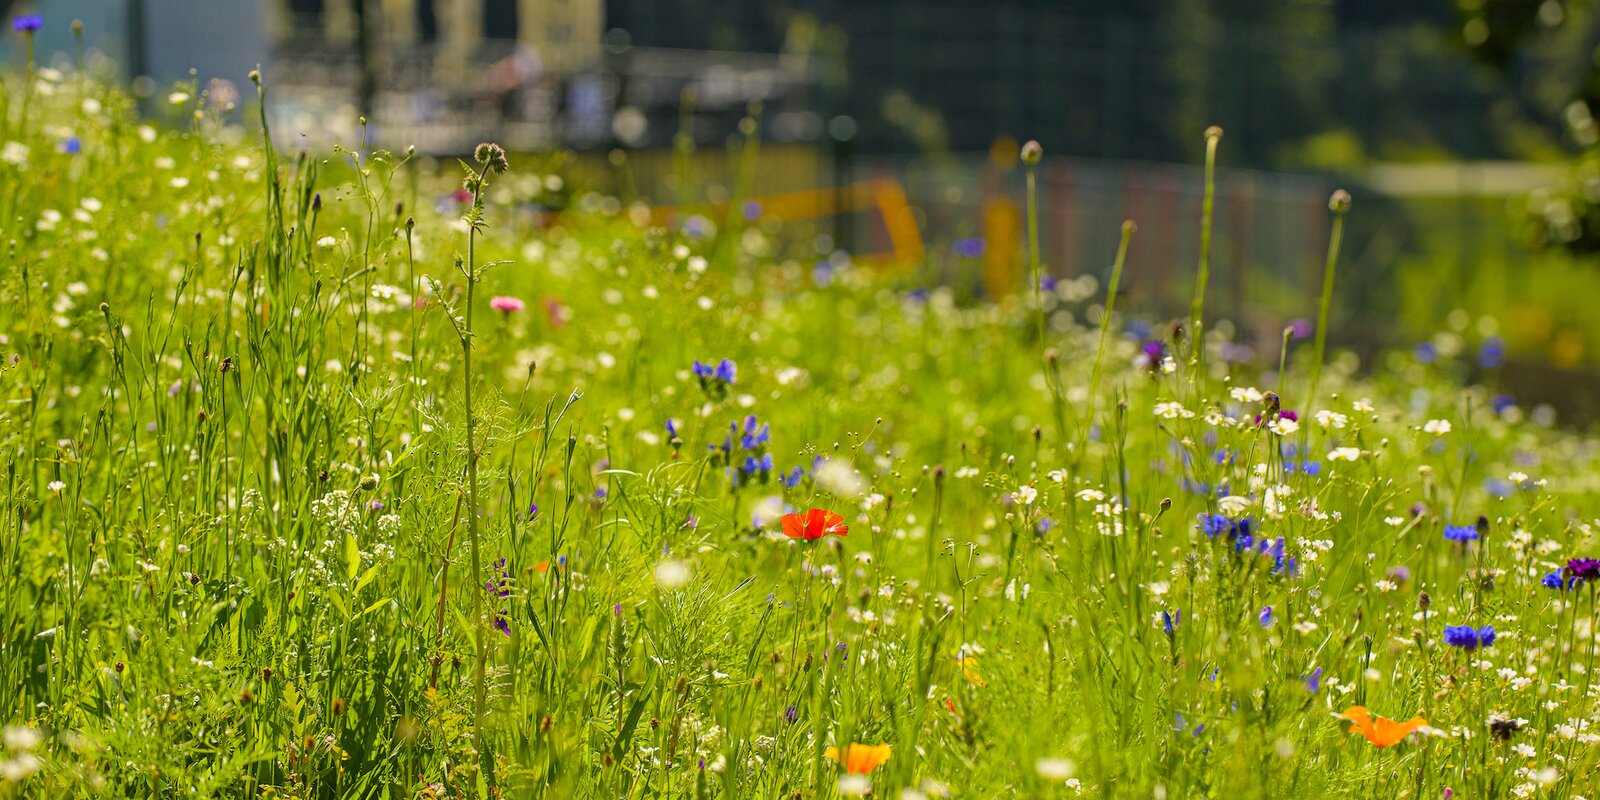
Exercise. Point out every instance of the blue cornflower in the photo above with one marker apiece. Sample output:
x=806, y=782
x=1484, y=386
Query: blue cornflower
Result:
x=1461, y=533
x=918, y=295
x=672, y=428
x=970, y=247
x=1426, y=353
x=703, y=371
x=754, y=439
x=1170, y=620
x=726, y=371
x=822, y=273
x=1492, y=353
x=1214, y=524
x=1313, y=681
x=1501, y=402
x=1265, y=617
x=1553, y=580
x=1468, y=638
x=72, y=146
x=27, y=23
x=792, y=478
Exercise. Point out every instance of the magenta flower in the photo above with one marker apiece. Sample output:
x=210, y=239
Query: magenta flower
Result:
x=505, y=305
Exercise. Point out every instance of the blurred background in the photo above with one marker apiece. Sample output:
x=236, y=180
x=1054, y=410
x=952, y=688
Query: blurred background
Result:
x=888, y=129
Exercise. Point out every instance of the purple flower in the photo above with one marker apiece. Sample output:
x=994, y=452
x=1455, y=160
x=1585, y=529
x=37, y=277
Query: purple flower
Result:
x=1265, y=617
x=1426, y=353
x=1152, y=354
x=27, y=23
x=1584, y=569
x=971, y=247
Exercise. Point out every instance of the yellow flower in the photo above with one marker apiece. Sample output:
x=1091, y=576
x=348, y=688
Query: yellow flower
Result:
x=860, y=759
x=969, y=669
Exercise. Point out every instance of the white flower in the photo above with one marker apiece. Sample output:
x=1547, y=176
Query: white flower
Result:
x=178, y=98
x=1172, y=410
x=1054, y=769
x=14, y=153
x=840, y=479
x=1091, y=495
x=1363, y=405
x=1233, y=505
x=56, y=486
x=1345, y=454
x=1518, y=477
x=855, y=785
x=1027, y=494
x=1331, y=419
x=672, y=574
x=1284, y=426
x=1394, y=521
x=1245, y=394
x=327, y=241
x=1438, y=427
x=21, y=737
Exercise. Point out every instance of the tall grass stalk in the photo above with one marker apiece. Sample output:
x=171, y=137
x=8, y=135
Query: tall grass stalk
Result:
x=1339, y=204
x=1203, y=277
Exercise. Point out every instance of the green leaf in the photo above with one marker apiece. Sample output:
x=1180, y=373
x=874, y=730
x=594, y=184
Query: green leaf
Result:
x=352, y=557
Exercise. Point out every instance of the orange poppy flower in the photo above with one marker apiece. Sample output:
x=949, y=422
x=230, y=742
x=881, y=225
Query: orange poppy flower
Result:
x=1381, y=731
x=860, y=759
x=814, y=524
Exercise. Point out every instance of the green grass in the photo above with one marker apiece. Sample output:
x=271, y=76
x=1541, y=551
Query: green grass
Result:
x=243, y=545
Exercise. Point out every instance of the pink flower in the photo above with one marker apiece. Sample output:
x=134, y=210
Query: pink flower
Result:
x=505, y=305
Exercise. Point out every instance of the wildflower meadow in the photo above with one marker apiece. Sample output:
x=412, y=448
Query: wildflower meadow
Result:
x=352, y=473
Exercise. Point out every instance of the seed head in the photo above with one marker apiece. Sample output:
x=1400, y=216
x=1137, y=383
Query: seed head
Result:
x=492, y=154
x=1339, y=202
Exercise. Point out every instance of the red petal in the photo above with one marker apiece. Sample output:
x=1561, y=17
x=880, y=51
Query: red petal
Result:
x=793, y=526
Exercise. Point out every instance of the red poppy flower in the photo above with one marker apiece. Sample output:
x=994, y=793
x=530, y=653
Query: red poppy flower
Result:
x=814, y=524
